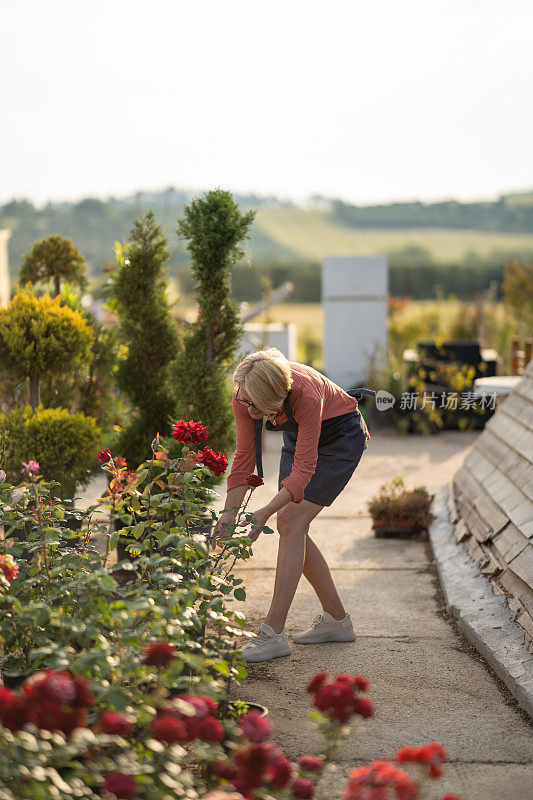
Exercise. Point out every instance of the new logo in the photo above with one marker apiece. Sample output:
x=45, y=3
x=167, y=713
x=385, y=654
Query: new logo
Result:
x=384, y=400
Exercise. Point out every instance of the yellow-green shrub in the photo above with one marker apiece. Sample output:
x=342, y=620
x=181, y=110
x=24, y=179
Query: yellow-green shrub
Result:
x=64, y=445
x=39, y=336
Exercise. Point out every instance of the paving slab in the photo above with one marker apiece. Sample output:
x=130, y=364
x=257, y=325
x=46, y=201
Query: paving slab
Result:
x=428, y=683
x=381, y=602
x=420, y=693
x=471, y=780
x=348, y=543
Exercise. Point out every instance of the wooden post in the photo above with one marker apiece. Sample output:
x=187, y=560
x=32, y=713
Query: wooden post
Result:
x=514, y=356
x=527, y=351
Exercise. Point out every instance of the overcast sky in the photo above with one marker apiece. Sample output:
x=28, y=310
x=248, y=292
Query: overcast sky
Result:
x=367, y=101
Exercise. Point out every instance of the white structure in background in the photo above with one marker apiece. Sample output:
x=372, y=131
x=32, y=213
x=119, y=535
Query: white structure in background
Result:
x=258, y=336
x=5, y=283
x=354, y=297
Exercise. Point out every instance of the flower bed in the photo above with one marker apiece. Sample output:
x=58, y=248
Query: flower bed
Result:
x=118, y=673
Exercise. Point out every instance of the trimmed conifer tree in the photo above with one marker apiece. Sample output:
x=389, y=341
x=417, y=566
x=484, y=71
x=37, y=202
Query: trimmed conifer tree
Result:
x=54, y=260
x=215, y=229
x=139, y=292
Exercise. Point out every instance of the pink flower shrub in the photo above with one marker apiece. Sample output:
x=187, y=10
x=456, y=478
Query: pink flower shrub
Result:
x=8, y=567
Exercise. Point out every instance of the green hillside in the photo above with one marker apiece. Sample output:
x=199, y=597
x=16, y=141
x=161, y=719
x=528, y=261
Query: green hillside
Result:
x=315, y=234
x=288, y=242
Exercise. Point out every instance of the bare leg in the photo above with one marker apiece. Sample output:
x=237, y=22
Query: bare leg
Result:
x=317, y=573
x=292, y=522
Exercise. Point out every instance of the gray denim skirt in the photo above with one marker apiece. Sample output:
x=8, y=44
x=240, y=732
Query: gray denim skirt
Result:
x=340, y=447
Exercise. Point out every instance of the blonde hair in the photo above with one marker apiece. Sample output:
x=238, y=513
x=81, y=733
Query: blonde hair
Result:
x=266, y=378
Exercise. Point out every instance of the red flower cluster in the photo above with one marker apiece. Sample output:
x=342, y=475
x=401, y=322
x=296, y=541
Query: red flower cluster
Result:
x=160, y=654
x=190, y=432
x=254, y=480
x=339, y=699
x=255, y=727
x=8, y=567
x=104, y=456
x=374, y=781
x=253, y=766
x=303, y=788
x=216, y=461
x=172, y=725
x=310, y=763
x=116, y=723
x=121, y=785
x=52, y=700
x=434, y=754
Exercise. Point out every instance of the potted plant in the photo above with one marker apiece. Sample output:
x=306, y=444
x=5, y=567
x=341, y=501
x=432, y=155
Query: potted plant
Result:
x=397, y=511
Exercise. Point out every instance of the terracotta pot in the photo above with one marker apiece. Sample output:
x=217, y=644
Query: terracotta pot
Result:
x=263, y=710
x=385, y=527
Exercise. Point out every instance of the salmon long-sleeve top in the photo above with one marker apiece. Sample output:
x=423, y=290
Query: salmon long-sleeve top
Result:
x=313, y=399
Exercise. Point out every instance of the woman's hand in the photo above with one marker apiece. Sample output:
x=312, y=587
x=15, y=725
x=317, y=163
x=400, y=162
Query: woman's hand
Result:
x=260, y=518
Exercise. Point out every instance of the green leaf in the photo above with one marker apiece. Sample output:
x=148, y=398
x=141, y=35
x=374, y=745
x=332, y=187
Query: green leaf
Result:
x=113, y=540
x=239, y=594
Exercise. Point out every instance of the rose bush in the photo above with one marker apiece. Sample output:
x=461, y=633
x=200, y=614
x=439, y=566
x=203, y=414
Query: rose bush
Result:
x=118, y=671
x=51, y=741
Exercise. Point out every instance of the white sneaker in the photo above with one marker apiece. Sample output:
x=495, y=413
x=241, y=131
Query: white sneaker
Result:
x=266, y=644
x=327, y=629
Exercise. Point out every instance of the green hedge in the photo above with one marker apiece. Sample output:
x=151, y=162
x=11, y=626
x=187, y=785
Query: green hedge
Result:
x=64, y=445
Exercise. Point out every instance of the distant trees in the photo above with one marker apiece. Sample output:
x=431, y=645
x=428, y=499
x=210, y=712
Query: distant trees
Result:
x=54, y=260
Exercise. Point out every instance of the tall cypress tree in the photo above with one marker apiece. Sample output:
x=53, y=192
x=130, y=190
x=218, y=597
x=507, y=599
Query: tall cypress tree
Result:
x=215, y=230
x=139, y=290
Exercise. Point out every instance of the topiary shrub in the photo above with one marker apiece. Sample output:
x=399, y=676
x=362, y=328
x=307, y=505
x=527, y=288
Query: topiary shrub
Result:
x=138, y=292
x=215, y=229
x=52, y=260
x=63, y=444
x=39, y=337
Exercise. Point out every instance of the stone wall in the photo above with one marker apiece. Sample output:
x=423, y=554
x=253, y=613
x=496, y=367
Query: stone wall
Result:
x=491, y=502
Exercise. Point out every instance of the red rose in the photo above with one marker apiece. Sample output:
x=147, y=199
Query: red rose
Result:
x=280, y=771
x=8, y=567
x=13, y=710
x=84, y=696
x=202, y=704
x=433, y=754
x=121, y=785
x=310, y=763
x=380, y=774
x=362, y=683
x=224, y=769
x=303, y=788
x=116, y=723
x=104, y=456
x=255, y=727
x=254, y=480
x=160, y=654
x=57, y=701
x=451, y=797
x=190, y=432
x=317, y=682
x=169, y=729
x=211, y=730
x=216, y=461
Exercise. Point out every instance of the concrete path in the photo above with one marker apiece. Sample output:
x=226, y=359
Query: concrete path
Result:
x=428, y=683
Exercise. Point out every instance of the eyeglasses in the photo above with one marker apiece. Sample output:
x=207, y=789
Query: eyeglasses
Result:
x=244, y=402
